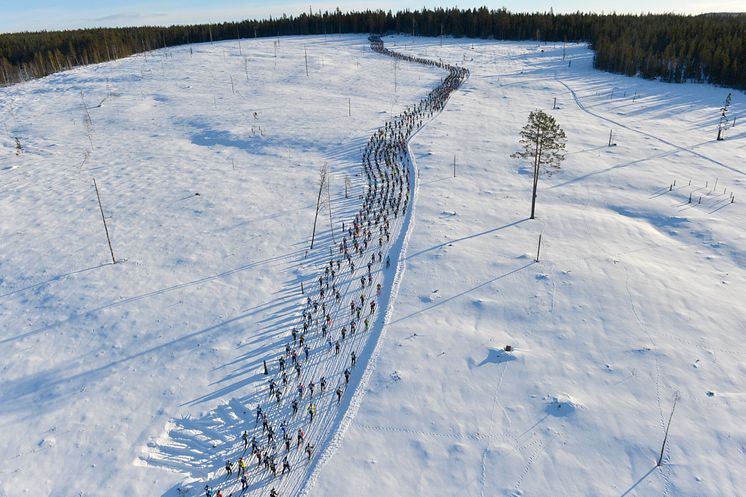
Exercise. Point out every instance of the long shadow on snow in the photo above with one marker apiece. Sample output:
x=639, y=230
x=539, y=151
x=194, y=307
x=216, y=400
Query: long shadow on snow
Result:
x=51, y=280
x=461, y=294
x=136, y=298
x=468, y=237
x=35, y=393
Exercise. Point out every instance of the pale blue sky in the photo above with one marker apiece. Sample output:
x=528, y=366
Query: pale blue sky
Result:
x=21, y=15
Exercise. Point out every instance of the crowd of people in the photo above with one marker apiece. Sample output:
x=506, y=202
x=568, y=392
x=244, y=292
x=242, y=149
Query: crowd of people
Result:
x=311, y=375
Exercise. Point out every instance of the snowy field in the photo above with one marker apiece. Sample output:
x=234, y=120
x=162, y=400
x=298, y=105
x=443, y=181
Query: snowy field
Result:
x=638, y=296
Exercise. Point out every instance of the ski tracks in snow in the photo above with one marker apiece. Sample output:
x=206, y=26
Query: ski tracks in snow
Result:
x=678, y=148
x=400, y=248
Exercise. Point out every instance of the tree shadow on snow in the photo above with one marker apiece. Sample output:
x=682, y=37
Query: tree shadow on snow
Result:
x=634, y=485
x=468, y=237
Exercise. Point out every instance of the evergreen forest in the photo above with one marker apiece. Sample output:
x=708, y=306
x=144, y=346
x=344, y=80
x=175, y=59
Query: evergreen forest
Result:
x=708, y=48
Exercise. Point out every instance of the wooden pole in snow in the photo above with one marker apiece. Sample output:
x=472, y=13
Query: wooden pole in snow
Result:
x=538, y=250
x=106, y=229
x=322, y=180
x=329, y=201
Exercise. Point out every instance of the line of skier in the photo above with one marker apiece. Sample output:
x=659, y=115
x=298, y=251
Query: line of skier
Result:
x=322, y=348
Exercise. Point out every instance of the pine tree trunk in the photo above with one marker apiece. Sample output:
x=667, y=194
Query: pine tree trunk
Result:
x=537, y=164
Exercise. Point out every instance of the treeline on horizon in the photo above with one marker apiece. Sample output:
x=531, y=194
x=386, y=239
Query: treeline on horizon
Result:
x=674, y=48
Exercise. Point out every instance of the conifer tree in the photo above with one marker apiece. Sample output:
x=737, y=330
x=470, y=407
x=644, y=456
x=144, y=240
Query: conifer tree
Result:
x=543, y=141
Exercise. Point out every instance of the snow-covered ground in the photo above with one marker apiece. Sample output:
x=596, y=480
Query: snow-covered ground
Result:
x=638, y=294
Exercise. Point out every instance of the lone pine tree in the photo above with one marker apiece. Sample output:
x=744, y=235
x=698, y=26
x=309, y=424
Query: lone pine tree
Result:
x=543, y=141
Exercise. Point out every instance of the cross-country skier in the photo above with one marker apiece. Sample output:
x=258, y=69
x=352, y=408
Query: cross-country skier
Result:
x=301, y=436
x=338, y=391
x=228, y=468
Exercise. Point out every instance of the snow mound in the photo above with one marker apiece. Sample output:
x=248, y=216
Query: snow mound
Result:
x=429, y=299
x=562, y=405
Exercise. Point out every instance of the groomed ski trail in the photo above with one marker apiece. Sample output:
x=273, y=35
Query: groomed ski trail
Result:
x=367, y=266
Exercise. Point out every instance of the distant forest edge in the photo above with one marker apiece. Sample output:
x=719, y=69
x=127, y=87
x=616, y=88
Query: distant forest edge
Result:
x=708, y=48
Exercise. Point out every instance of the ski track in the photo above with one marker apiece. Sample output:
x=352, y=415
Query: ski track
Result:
x=199, y=448
x=653, y=348
x=678, y=148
